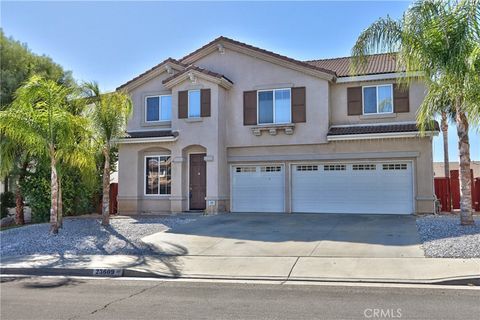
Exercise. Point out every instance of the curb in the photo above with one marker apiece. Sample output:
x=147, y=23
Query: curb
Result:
x=89, y=272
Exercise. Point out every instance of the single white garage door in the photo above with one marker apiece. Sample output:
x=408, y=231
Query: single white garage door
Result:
x=376, y=187
x=258, y=188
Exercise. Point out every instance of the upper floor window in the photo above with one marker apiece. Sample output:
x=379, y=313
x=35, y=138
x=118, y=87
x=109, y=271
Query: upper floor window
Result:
x=274, y=106
x=378, y=99
x=158, y=108
x=194, y=103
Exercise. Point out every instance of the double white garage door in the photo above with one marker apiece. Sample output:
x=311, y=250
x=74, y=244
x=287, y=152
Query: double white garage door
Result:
x=374, y=187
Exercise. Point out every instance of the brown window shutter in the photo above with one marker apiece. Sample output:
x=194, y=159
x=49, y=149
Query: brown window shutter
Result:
x=249, y=108
x=298, y=105
x=354, y=101
x=401, y=99
x=205, y=103
x=182, y=104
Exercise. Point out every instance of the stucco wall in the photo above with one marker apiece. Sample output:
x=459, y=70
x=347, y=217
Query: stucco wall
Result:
x=249, y=73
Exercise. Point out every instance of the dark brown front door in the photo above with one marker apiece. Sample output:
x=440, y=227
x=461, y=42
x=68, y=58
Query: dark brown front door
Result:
x=198, y=181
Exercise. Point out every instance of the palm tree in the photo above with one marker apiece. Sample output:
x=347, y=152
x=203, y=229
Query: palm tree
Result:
x=38, y=119
x=14, y=159
x=109, y=115
x=442, y=40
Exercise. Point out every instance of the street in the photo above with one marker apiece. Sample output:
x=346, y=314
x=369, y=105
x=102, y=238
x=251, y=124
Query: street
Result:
x=81, y=298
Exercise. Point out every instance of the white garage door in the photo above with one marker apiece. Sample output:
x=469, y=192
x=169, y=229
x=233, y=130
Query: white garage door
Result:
x=258, y=188
x=377, y=187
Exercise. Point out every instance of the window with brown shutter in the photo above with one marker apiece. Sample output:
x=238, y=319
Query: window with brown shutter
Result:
x=298, y=105
x=401, y=101
x=182, y=104
x=205, y=103
x=250, y=108
x=354, y=101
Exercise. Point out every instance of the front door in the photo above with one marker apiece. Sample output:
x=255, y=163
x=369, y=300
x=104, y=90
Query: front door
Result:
x=198, y=181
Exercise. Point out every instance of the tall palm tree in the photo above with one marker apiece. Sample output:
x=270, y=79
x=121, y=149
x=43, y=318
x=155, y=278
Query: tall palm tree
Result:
x=38, y=120
x=442, y=40
x=109, y=114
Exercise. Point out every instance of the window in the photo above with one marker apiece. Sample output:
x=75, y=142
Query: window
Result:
x=157, y=175
x=394, y=166
x=378, y=99
x=334, y=167
x=271, y=169
x=307, y=168
x=194, y=103
x=245, y=169
x=274, y=106
x=364, y=167
x=158, y=108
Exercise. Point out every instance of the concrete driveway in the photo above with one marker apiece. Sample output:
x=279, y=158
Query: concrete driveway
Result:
x=292, y=235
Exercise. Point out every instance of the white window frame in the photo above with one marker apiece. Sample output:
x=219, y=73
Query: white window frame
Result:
x=376, y=87
x=200, y=101
x=145, y=176
x=159, y=96
x=274, y=120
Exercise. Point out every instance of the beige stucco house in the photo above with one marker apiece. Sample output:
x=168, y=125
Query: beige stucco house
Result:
x=235, y=128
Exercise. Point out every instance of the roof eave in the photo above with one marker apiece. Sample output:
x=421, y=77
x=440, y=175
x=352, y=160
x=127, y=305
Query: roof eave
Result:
x=225, y=83
x=165, y=66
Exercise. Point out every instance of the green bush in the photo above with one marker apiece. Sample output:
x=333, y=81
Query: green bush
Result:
x=77, y=195
x=7, y=200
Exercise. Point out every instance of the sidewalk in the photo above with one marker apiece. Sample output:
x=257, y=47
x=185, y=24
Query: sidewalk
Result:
x=398, y=270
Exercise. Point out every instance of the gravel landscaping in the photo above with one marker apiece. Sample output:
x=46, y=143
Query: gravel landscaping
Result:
x=444, y=237
x=87, y=236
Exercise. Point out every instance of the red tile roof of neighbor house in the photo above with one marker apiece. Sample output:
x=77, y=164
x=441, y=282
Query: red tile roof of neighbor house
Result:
x=375, y=64
x=371, y=129
x=340, y=67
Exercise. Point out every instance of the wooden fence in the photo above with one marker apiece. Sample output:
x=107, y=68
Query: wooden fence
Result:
x=448, y=191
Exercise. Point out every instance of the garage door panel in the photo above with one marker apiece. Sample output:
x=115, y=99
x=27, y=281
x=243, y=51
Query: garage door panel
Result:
x=258, y=188
x=381, y=188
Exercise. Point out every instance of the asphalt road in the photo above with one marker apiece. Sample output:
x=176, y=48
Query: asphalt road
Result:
x=61, y=298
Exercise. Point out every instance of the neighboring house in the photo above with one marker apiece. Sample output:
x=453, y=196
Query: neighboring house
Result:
x=231, y=127
x=439, y=168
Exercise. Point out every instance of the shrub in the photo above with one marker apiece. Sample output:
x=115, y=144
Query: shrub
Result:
x=7, y=200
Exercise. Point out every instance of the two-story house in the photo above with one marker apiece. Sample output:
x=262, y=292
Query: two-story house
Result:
x=235, y=128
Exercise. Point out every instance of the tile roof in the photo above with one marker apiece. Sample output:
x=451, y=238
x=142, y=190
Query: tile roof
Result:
x=151, y=134
x=196, y=68
x=377, y=63
x=371, y=129
x=270, y=53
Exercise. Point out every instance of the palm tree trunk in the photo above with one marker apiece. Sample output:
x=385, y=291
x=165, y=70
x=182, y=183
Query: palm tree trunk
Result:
x=106, y=188
x=466, y=217
x=54, y=195
x=60, y=203
x=19, y=218
x=446, y=160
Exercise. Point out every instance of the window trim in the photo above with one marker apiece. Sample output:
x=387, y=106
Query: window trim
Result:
x=145, y=176
x=376, y=88
x=200, y=103
x=159, y=96
x=258, y=106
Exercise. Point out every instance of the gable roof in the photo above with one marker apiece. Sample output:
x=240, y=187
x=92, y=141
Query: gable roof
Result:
x=332, y=68
x=376, y=64
x=189, y=58
x=158, y=66
x=201, y=70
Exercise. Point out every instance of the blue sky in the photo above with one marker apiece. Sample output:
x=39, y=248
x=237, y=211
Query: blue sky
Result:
x=111, y=42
